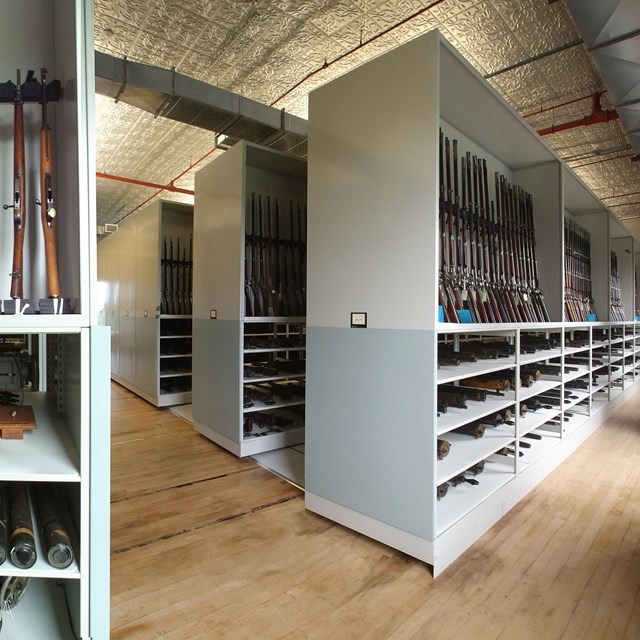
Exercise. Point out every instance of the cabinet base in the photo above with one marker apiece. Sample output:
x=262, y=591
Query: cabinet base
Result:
x=252, y=446
x=456, y=539
x=161, y=400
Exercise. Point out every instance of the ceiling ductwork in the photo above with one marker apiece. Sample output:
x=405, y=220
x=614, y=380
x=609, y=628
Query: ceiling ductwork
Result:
x=611, y=31
x=163, y=92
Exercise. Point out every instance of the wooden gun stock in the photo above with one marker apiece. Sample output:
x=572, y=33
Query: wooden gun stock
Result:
x=48, y=213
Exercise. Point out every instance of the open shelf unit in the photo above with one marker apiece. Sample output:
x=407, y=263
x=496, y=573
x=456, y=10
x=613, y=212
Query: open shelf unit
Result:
x=145, y=269
x=374, y=393
x=70, y=394
x=249, y=324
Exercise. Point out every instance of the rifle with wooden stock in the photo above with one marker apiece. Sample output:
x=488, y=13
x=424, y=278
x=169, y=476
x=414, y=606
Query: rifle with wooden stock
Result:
x=47, y=200
x=19, y=212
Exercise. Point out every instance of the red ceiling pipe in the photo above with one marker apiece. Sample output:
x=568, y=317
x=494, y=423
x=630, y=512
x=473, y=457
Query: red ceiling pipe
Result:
x=597, y=116
x=142, y=183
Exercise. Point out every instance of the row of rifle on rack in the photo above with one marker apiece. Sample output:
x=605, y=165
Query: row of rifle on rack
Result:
x=177, y=279
x=19, y=94
x=617, y=312
x=578, y=298
x=275, y=262
x=488, y=266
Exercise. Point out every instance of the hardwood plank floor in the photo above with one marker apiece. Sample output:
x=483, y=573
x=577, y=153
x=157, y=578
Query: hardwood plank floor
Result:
x=208, y=546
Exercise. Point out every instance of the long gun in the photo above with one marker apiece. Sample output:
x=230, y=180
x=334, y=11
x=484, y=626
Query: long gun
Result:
x=164, y=300
x=190, y=283
x=19, y=214
x=47, y=201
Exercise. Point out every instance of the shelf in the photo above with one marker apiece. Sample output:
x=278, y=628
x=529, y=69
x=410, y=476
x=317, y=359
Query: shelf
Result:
x=42, y=568
x=467, y=450
x=175, y=355
x=538, y=387
x=539, y=356
x=569, y=351
x=462, y=499
x=42, y=613
x=450, y=373
x=177, y=374
x=276, y=319
x=291, y=376
x=174, y=317
x=274, y=350
x=573, y=375
x=474, y=411
x=280, y=404
x=538, y=448
x=46, y=453
x=534, y=419
x=581, y=395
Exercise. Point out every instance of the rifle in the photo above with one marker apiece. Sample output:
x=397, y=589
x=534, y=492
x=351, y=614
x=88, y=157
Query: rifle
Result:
x=301, y=244
x=164, y=300
x=259, y=272
x=19, y=213
x=476, y=430
x=190, y=284
x=178, y=265
x=271, y=286
x=171, y=307
x=46, y=202
x=442, y=448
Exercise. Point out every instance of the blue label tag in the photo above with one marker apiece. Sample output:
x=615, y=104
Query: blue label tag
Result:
x=637, y=318
x=440, y=313
x=591, y=317
x=464, y=315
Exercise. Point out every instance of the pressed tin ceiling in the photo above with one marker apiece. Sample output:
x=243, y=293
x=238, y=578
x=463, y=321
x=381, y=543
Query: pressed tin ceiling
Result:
x=277, y=51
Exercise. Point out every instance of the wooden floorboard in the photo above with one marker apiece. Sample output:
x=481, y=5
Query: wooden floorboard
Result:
x=206, y=546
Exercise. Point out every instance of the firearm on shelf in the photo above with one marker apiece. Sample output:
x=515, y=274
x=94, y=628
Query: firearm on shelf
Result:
x=462, y=479
x=57, y=544
x=47, y=201
x=532, y=436
x=526, y=380
x=22, y=545
x=508, y=451
x=475, y=429
x=462, y=356
x=452, y=399
x=441, y=490
x=448, y=360
x=468, y=393
x=3, y=523
x=19, y=191
x=442, y=448
x=489, y=383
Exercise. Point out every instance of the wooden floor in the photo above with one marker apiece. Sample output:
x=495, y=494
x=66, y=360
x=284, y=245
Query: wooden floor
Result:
x=207, y=546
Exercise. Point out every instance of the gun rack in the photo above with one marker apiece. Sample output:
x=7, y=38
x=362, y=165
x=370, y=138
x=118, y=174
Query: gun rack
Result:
x=31, y=90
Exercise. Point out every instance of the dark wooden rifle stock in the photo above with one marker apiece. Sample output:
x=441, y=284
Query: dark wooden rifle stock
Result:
x=19, y=212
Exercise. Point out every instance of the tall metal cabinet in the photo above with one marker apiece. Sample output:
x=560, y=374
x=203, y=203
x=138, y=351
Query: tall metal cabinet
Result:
x=249, y=363
x=372, y=454
x=143, y=263
x=70, y=445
